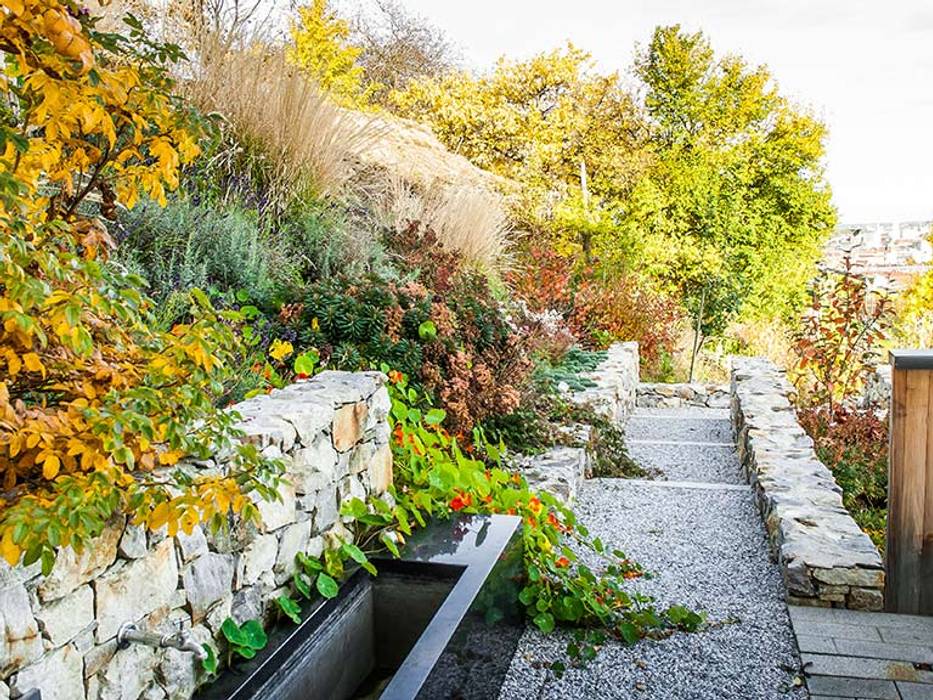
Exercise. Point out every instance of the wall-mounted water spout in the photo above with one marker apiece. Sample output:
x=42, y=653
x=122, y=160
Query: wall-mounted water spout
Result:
x=181, y=640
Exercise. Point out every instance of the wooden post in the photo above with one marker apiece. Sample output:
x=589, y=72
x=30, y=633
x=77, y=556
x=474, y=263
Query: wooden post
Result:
x=909, y=558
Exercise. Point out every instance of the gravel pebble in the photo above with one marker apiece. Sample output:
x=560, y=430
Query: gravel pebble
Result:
x=693, y=427
x=708, y=551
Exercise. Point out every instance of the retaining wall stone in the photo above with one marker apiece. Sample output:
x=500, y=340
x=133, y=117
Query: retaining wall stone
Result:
x=661, y=395
x=58, y=632
x=825, y=557
x=560, y=470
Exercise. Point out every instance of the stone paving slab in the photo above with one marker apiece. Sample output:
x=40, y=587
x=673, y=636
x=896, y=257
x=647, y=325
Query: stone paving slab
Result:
x=852, y=654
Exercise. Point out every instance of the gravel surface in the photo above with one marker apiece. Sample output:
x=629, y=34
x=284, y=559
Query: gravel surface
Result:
x=692, y=427
x=688, y=462
x=707, y=550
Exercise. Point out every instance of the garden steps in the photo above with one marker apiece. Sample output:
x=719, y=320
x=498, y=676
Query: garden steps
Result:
x=696, y=526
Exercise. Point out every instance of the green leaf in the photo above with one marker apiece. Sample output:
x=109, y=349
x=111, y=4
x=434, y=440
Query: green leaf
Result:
x=290, y=608
x=302, y=585
x=435, y=416
x=544, y=622
x=232, y=632
x=327, y=586
x=427, y=330
x=306, y=362
x=389, y=543
x=628, y=632
x=255, y=634
x=209, y=662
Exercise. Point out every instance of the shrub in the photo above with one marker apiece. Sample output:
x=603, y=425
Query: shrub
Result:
x=461, y=350
x=607, y=308
x=543, y=280
x=837, y=344
x=184, y=245
x=93, y=401
x=854, y=445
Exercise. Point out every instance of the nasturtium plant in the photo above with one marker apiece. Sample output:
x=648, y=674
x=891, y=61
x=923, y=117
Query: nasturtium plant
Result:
x=245, y=640
x=96, y=405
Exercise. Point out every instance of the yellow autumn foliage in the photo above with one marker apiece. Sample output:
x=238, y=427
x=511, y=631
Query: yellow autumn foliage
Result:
x=95, y=405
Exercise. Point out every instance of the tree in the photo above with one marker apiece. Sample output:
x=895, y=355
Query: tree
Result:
x=734, y=207
x=322, y=48
x=95, y=405
x=541, y=122
x=398, y=47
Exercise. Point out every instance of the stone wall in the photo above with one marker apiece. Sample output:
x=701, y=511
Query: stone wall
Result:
x=825, y=558
x=561, y=469
x=680, y=395
x=615, y=379
x=58, y=632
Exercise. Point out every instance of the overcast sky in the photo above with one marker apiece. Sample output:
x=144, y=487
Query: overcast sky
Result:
x=864, y=66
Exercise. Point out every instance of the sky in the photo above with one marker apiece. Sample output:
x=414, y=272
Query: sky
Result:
x=864, y=66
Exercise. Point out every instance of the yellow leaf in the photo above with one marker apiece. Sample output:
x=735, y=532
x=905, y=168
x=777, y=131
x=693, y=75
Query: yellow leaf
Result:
x=33, y=363
x=8, y=548
x=50, y=467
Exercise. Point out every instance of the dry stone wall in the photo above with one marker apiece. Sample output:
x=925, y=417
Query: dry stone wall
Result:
x=824, y=556
x=58, y=632
x=683, y=395
x=560, y=470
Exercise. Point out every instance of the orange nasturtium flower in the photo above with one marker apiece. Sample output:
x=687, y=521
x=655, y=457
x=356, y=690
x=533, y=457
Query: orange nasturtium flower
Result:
x=460, y=501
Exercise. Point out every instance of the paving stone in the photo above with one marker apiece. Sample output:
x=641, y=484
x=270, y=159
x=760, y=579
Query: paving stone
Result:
x=836, y=631
x=896, y=635
x=816, y=644
x=859, y=667
x=915, y=691
x=884, y=650
x=853, y=687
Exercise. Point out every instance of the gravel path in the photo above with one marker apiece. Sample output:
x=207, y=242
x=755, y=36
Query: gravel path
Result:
x=708, y=551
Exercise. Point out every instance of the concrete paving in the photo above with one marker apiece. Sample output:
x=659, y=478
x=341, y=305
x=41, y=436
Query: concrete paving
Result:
x=875, y=656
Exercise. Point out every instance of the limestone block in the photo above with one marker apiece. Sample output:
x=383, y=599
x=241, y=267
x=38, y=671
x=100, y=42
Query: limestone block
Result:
x=72, y=569
x=257, y=559
x=99, y=656
x=247, y=604
x=135, y=589
x=191, y=546
x=865, y=599
x=133, y=542
x=314, y=467
x=866, y=578
x=58, y=676
x=267, y=429
x=62, y=620
x=20, y=642
x=207, y=581
x=127, y=675
x=325, y=509
x=349, y=425
x=293, y=539
x=380, y=470
x=177, y=674
x=278, y=513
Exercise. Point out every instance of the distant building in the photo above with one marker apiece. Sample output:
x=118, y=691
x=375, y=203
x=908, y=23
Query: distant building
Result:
x=889, y=253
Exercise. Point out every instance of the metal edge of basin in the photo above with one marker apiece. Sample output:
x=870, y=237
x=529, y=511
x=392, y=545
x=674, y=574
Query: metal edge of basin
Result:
x=464, y=549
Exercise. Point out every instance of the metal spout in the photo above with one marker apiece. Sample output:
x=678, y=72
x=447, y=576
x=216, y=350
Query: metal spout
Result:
x=181, y=640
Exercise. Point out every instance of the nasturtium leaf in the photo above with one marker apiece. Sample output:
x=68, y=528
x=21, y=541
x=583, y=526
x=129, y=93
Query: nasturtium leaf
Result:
x=327, y=586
